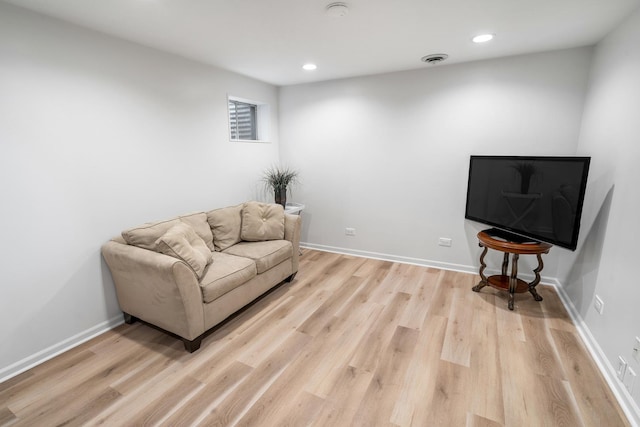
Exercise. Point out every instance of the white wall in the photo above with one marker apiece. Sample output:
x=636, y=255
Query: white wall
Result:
x=98, y=135
x=607, y=263
x=388, y=154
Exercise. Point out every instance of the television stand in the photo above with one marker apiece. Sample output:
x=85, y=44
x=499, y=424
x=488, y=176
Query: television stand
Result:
x=510, y=282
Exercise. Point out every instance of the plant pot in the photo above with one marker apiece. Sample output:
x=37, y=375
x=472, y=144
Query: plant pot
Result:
x=281, y=196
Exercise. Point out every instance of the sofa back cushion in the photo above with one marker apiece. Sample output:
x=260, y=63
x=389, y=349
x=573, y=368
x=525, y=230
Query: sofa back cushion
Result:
x=182, y=242
x=226, y=225
x=262, y=221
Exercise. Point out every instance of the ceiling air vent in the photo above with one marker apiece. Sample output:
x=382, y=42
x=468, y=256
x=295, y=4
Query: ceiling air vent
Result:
x=435, y=58
x=337, y=10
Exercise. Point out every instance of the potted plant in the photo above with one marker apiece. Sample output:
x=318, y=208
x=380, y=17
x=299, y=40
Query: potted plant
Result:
x=278, y=179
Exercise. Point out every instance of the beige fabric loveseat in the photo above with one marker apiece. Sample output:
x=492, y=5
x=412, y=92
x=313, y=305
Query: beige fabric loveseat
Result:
x=187, y=274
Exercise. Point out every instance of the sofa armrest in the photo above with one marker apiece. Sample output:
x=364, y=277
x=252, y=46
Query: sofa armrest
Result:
x=156, y=288
x=292, y=230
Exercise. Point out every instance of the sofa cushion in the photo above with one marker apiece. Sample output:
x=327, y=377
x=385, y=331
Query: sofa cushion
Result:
x=145, y=236
x=266, y=254
x=226, y=273
x=182, y=242
x=198, y=221
x=262, y=221
x=226, y=225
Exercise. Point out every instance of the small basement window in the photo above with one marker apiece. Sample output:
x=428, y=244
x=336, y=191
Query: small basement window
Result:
x=248, y=120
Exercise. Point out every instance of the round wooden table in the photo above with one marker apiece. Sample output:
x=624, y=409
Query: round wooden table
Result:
x=510, y=282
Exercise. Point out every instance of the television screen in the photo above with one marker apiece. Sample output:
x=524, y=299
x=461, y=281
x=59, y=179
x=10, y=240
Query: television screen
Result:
x=535, y=198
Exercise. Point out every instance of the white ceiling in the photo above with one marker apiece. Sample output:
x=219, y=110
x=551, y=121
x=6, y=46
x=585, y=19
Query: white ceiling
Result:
x=270, y=40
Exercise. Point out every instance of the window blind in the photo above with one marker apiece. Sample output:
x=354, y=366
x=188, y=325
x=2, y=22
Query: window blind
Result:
x=242, y=120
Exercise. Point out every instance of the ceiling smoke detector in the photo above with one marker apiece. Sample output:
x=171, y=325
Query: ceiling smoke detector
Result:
x=337, y=10
x=435, y=58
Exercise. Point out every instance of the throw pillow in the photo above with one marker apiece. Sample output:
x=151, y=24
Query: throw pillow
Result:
x=262, y=221
x=182, y=242
x=226, y=224
x=145, y=236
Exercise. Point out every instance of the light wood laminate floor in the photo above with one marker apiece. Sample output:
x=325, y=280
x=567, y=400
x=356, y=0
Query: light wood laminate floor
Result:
x=351, y=341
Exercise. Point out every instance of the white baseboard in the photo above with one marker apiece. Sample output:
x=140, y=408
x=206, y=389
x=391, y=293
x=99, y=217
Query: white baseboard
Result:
x=626, y=401
x=620, y=392
x=56, y=349
x=392, y=258
x=472, y=269
x=629, y=406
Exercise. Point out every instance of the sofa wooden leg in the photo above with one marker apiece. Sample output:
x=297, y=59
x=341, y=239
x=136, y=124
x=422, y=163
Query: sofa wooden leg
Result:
x=129, y=319
x=290, y=278
x=192, y=345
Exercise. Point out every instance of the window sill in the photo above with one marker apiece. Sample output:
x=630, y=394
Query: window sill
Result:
x=250, y=140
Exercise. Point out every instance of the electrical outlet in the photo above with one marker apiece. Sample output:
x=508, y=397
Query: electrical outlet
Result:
x=622, y=367
x=444, y=241
x=636, y=349
x=350, y=231
x=598, y=304
x=629, y=379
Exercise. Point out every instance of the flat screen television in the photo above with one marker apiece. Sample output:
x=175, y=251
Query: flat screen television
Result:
x=528, y=198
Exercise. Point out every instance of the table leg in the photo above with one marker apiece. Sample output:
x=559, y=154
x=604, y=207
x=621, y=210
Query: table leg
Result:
x=505, y=263
x=483, y=278
x=513, y=279
x=532, y=285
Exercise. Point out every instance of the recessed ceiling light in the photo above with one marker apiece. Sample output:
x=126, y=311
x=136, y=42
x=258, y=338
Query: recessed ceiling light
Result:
x=309, y=67
x=482, y=38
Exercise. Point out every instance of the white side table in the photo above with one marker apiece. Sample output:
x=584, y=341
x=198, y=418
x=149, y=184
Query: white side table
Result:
x=294, y=208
